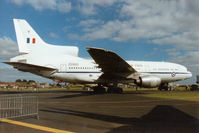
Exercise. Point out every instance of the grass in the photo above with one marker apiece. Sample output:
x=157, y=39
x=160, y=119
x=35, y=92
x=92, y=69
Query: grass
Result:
x=139, y=89
x=40, y=89
x=177, y=95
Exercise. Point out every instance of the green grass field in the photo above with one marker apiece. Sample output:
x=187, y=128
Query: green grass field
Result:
x=177, y=95
x=38, y=89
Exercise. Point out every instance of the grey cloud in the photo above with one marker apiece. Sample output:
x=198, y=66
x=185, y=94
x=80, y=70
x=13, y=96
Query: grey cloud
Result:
x=8, y=48
x=173, y=52
x=192, y=6
x=53, y=35
x=190, y=60
x=105, y=31
x=90, y=22
x=167, y=22
x=60, y=5
x=89, y=7
x=185, y=41
x=64, y=6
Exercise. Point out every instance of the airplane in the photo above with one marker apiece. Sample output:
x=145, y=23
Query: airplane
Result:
x=106, y=69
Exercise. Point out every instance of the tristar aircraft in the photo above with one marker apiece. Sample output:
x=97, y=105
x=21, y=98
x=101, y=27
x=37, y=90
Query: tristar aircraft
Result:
x=107, y=69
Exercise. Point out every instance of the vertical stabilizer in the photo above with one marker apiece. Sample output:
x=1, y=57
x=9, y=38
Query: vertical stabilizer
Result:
x=27, y=38
x=30, y=42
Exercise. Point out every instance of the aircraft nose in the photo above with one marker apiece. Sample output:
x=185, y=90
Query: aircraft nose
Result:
x=189, y=74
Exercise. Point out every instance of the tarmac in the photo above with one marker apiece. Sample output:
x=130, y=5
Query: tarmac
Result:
x=85, y=112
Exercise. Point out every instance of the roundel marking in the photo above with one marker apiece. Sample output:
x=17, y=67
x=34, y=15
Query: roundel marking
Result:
x=173, y=74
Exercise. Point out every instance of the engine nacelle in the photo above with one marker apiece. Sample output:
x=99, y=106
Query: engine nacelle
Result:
x=149, y=81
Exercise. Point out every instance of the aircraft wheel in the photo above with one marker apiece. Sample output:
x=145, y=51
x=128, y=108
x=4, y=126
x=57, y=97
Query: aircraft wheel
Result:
x=164, y=87
x=99, y=90
x=116, y=90
x=120, y=90
x=110, y=90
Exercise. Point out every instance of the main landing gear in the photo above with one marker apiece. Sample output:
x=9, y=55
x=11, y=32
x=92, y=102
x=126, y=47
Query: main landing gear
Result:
x=111, y=89
x=99, y=89
x=165, y=87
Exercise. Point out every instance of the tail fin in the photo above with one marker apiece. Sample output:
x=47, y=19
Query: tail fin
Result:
x=30, y=42
x=26, y=36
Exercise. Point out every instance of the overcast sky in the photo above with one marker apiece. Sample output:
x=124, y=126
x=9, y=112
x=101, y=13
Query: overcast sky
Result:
x=156, y=30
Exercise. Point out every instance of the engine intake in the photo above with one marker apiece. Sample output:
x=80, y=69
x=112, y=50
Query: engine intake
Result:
x=148, y=81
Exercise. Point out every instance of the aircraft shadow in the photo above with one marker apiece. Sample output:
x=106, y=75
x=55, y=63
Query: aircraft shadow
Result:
x=89, y=93
x=74, y=94
x=161, y=119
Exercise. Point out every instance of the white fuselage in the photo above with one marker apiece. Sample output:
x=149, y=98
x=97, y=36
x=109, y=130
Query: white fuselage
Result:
x=80, y=70
x=87, y=71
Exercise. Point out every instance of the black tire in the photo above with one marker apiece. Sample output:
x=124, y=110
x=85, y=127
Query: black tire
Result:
x=115, y=90
x=119, y=90
x=99, y=90
x=110, y=90
x=164, y=87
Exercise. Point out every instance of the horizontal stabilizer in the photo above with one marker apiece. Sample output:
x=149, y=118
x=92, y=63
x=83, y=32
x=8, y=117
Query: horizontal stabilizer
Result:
x=29, y=67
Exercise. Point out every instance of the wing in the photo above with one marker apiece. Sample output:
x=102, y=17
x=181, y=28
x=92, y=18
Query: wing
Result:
x=112, y=65
x=39, y=70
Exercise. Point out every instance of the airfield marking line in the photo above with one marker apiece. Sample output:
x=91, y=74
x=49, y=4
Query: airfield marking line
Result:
x=43, y=128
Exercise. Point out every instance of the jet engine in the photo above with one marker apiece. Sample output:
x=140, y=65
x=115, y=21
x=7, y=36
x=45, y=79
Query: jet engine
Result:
x=148, y=81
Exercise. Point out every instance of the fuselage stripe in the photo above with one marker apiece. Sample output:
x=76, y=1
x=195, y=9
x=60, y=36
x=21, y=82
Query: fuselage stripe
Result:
x=76, y=72
x=140, y=72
